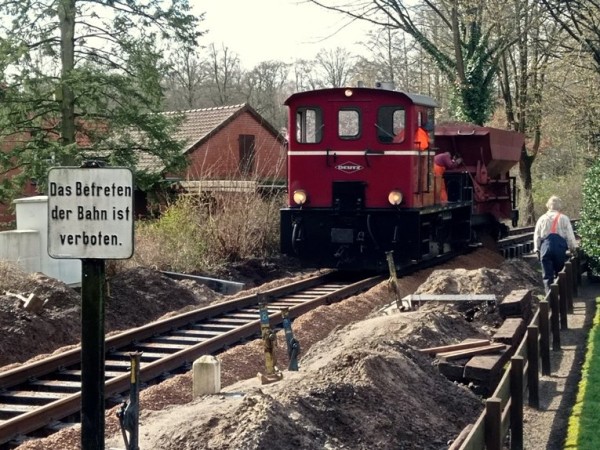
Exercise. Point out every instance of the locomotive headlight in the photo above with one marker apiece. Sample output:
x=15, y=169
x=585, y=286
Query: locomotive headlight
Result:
x=300, y=197
x=395, y=197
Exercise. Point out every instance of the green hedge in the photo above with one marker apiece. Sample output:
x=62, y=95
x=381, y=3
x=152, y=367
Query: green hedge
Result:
x=589, y=226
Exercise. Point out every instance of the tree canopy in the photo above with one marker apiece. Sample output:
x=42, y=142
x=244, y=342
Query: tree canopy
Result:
x=82, y=78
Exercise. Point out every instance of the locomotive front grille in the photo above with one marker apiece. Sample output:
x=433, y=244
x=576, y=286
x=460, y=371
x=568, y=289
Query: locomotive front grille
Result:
x=348, y=195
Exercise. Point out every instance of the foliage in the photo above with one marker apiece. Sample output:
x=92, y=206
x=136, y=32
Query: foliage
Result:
x=589, y=227
x=174, y=241
x=201, y=233
x=472, y=99
x=80, y=79
x=582, y=432
x=568, y=188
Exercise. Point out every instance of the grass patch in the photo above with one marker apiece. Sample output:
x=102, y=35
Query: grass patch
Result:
x=582, y=432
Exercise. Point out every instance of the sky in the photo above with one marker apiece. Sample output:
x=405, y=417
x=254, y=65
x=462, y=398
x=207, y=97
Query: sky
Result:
x=282, y=30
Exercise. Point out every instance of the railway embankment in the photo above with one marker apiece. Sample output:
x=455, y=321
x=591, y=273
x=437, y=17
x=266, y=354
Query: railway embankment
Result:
x=362, y=383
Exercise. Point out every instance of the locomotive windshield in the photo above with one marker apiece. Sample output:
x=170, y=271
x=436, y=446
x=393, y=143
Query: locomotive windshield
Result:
x=309, y=124
x=391, y=121
x=348, y=123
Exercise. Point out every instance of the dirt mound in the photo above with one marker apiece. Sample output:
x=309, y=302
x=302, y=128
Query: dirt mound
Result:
x=135, y=297
x=361, y=384
x=364, y=386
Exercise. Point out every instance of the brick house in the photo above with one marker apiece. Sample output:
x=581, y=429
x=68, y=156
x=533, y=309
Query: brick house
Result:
x=227, y=147
x=230, y=144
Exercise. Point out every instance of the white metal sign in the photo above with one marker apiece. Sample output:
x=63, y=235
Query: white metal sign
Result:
x=90, y=213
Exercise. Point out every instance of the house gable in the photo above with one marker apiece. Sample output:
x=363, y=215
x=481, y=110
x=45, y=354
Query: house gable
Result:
x=232, y=142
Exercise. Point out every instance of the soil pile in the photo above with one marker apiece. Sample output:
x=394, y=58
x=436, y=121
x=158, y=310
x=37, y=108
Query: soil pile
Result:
x=362, y=381
x=363, y=387
x=134, y=297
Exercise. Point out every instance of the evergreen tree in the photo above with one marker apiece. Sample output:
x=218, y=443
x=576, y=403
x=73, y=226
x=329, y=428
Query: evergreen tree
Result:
x=589, y=227
x=81, y=79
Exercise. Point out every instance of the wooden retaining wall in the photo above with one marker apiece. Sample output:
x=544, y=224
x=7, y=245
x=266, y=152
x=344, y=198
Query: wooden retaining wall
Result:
x=504, y=408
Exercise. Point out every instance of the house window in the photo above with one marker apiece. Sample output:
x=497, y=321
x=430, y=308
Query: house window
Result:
x=348, y=123
x=247, y=150
x=309, y=124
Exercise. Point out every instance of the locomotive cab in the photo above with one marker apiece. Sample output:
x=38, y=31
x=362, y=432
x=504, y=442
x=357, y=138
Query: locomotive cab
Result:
x=360, y=181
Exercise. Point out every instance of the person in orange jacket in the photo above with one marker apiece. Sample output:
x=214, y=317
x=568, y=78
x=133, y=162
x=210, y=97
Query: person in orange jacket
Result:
x=441, y=163
x=421, y=138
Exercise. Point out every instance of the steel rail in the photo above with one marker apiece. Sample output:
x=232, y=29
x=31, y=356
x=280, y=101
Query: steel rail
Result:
x=238, y=318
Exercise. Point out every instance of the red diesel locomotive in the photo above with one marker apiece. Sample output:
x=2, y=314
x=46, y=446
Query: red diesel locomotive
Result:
x=361, y=180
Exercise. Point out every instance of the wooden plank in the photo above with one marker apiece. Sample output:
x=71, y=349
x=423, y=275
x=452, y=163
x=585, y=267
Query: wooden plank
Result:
x=450, y=298
x=469, y=343
x=461, y=437
x=476, y=438
x=493, y=424
x=453, y=370
x=492, y=348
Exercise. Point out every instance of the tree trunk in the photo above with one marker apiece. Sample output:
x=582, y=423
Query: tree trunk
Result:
x=526, y=213
x=66, y=14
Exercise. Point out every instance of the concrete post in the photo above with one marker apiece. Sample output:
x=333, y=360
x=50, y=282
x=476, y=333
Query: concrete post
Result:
x=206, y=375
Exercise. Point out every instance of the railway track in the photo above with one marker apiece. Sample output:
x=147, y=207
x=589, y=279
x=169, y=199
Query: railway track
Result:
x=36, y=395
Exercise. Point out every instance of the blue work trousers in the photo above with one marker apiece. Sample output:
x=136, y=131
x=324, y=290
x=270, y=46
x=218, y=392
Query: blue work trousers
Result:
x=553, y=254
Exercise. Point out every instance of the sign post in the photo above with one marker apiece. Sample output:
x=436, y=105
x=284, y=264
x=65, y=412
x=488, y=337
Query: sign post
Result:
x=90, y=217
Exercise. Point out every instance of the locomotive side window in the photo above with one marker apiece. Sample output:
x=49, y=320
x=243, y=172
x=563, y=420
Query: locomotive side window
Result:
x=348, y=123
x=391, y=121
x=309, y=125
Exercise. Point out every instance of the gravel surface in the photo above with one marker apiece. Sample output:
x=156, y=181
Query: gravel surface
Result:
x=546, y=428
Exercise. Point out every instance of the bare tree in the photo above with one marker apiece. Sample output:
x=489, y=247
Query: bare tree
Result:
x=185, y=79
x=225, y=73
x=304, y=77
x=579, y=18
x=336, y=66
x=468, y=52
x=522, y=82
x=263, y=88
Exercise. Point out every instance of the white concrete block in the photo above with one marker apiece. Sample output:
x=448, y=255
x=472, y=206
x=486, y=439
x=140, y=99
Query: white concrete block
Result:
x=28, y=245
x=206, y=375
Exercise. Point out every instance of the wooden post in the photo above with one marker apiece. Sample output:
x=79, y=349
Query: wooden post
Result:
x=576, y=275
x=493, y=423
x=562, y=293
x=554, y=317
x=516, y=402
x=533, y=372
x=92, y=353
x=544, y=330
x=569, y=287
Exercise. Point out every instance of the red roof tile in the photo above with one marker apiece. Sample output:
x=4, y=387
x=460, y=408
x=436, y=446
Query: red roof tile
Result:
x=199, y=123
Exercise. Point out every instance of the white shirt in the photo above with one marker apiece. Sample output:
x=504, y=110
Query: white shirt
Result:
x=563, y=228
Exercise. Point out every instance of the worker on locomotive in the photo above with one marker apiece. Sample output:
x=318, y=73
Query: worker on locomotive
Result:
x=361, y=180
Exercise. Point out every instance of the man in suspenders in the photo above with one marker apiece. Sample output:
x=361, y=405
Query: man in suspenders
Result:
x=552, y=236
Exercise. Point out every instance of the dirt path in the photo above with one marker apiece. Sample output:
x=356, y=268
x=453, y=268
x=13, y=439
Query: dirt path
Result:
x=546, y=428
